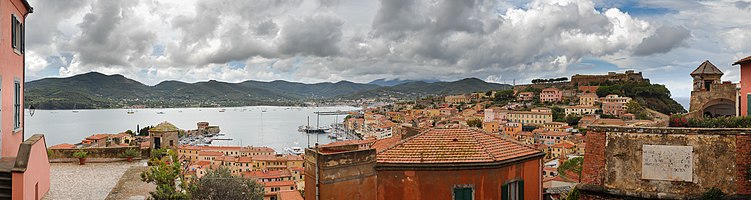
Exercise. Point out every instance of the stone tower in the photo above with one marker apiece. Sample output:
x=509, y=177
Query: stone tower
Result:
x=710, y=96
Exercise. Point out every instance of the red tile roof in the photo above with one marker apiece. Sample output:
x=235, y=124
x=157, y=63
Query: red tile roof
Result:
x=348, y=142
x=743, y=60
x=258, y=174
x=278, y=183
x=453, y=146
x=385, y=143
x=63, y=146
x=97, y=136
x=210, y=153
x=290, y=195
x=564, y=145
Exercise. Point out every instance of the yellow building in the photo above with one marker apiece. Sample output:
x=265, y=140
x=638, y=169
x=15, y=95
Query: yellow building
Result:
x=588, y=99
x=455, y=99
x=491, y=126
x=530, y=117
x=580, y=110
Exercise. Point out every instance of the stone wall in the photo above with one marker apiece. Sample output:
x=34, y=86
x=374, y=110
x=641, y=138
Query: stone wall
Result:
x=345, y=175
x=613, y=162
x=699, y=99
x=96, y=152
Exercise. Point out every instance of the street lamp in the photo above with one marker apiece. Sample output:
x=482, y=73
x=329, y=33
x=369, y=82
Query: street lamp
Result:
x=31, y=110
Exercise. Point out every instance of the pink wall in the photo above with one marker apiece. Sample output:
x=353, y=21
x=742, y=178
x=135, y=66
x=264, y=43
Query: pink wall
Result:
x=745, y=87
x=11, y=68
x=35, y=181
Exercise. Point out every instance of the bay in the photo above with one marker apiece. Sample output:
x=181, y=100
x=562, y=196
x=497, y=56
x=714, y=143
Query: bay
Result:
x=275, y=128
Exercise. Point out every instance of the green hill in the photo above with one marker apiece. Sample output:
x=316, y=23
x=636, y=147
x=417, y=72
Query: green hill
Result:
x=653, y=96
x=96, y=90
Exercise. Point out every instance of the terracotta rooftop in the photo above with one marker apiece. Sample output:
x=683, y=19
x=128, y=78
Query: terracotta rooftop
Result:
x=278, y=183
x=453, y=146
x=706, y=68
x=564, y=145
x=290, y=195
x=555, y=133
x=743, y=60
x=210, y=153
x=97, y=136
x=617, y=122
x=348, y=142
x=385, y=143
x=259, y=174
x=63, y=146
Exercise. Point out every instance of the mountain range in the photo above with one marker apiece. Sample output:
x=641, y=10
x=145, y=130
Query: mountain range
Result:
x=96, y=90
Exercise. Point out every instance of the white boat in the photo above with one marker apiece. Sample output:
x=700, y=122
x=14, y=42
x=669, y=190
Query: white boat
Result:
x=222, y=110
x=294, y=150
x=159, y=113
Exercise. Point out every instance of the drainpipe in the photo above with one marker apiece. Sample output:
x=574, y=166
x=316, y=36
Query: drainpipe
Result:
x=23, y=71
x=318, y=194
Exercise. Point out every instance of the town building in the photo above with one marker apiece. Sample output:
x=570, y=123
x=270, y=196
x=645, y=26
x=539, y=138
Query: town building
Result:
x=164, y=135
x=24, y=167
x=551, y=95
x=525, y=96
x=628, y=76
x=580, y=110
x=710, y=96
x=426, y=166
x=588, y=99
x=614, y=108
x=512, y=127
x=456, y=99
x=495, y=114
x=535, y=116
x=745, y=85
x=491, y=126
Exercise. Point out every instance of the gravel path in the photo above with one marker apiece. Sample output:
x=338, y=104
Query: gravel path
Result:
x=90, y=181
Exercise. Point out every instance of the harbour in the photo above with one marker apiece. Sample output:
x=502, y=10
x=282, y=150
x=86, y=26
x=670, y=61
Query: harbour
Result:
x=277, y=127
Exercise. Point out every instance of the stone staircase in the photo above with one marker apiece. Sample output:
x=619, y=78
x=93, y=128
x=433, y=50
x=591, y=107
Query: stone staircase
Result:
x=6, y=185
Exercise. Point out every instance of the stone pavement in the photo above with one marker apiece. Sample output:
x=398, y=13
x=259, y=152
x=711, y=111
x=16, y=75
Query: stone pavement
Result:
x=90, y=181
x=130, y=185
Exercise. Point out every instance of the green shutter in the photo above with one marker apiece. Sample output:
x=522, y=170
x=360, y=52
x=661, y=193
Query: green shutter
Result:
x=462, y=193
x=520, y=187
x=748, y=104
x=504, y=192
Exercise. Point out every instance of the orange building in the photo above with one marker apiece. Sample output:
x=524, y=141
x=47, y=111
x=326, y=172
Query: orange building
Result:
x=427, y=166
x=745, y=92
x=24, y=167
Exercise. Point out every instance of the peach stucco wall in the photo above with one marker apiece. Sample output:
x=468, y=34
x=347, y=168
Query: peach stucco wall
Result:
x=745, y=87
x=11, y=68
x=35, y=182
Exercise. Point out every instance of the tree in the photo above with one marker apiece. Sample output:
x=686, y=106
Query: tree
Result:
x=164, y=173
x=572, y=165
x=221, y=184
x=559, y=114
x=503, y=96
x=474, y=123
x=573, y=120
x=635, y=108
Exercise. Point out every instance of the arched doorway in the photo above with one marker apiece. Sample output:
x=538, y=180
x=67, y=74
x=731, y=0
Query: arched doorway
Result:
x=719, y=107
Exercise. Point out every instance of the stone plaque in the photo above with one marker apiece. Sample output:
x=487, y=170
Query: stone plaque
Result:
x=669, y=163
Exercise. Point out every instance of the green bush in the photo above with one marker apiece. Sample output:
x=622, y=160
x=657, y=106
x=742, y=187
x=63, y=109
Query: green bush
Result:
x=131, y=153
x=717, y=122
x=80, y=154
x=712, y=193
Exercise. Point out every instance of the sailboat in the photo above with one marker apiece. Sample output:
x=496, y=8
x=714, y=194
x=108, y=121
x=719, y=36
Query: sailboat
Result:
x=130, y=111
x=74, y=108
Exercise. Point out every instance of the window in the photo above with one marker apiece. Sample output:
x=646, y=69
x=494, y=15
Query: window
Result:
x=513, y=190
x=463, y=193
x=17, y=104
x=17, y=34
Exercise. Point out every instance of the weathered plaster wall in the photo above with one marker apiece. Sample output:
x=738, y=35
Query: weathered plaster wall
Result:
x=713, y=162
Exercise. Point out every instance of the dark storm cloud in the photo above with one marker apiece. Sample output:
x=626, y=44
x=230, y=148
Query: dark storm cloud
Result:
x=105, y=39
x=42, y=26
x=318, y=35
x=663, y=40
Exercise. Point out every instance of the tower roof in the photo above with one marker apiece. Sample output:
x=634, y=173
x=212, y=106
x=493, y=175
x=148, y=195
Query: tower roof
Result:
x=706, y=68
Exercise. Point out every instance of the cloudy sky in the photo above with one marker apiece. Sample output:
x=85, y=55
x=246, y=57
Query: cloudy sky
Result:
x=332, y=40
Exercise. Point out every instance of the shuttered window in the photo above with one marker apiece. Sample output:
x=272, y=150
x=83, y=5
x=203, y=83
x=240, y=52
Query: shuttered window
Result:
x=513, y=190
x=463, y=193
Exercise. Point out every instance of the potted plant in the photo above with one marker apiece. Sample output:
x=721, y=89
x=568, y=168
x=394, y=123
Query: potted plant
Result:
x=81, y=155
x=130, y=153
